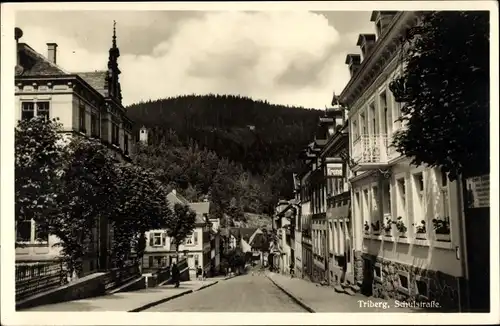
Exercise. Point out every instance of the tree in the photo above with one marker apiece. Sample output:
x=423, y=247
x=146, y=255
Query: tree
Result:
x=140, y=205
x=38, y=162
x=87, y=193
x=181, y=224
x=445, y=88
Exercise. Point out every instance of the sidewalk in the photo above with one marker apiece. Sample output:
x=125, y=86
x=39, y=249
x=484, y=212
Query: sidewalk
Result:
x=133, y=301
x=324, y=299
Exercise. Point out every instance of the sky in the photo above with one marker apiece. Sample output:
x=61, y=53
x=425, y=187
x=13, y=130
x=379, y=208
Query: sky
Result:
x=285, y=57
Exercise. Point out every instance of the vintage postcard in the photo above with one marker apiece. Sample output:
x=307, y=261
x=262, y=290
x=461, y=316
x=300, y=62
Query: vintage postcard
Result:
x=228, y=163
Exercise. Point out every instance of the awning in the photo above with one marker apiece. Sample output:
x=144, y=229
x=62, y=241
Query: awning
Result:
x=338, y=212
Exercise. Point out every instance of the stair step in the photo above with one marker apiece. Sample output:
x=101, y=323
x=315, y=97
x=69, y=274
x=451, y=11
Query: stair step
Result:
x=339, y=289
x=349, y=291
x=355, y=288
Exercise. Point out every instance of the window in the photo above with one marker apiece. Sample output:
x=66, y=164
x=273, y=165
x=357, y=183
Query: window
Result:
x=23, y=231
x=362, y=124
x=125, y=144
x=401, y=189
x=151, y=261
x=41, y=235
x=418, y=185
x=373, y=116
x=386, y=113
x=355, y=130
x=42, y=109
x=94, y=125
x=422, y=287
x=34, y=109
x=444, y=209
x=366, y=202
x=157, y=239
x=196, y=260
x=195, y=238
x=403, y=282
x=374, y=204
x=386, y=193
x=115, y=132
x=81, y=117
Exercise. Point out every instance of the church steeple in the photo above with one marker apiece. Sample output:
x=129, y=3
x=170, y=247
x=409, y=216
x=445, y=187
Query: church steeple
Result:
x=114, y=88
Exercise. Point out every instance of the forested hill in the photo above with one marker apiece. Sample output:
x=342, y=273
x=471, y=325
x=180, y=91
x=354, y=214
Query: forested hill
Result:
x=262, y=138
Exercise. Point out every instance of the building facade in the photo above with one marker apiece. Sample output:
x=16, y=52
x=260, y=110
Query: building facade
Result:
x=405, y=218
x=160, y=252
x=87, y=104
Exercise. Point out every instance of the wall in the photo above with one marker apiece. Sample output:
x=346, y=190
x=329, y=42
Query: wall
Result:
x=60, y=103
x=427, y=254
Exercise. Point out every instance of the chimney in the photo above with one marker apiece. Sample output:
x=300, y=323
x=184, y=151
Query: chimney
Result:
x=382, y=20
x=354, y=62
x=18, y=33
x=366, y=43
x=52, y=52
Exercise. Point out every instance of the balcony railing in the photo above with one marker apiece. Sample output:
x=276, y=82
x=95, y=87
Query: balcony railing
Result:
x=373, y=150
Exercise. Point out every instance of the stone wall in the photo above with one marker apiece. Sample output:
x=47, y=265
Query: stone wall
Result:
x=422, y=285
x=358, y=267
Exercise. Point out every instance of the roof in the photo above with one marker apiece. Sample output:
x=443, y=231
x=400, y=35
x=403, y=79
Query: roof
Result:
x=96, y=79
x=200, y=207
x=201, y=210
x=35, y=64
x=244, y=233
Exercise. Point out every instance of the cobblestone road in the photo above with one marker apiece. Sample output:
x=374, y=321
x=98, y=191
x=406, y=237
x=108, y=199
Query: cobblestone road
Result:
x=244, y=293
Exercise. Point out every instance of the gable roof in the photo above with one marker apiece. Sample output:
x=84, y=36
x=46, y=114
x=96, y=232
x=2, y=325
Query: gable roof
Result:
x=35, y=64
x=201, y=209
x=96, y=79
x=244, y=233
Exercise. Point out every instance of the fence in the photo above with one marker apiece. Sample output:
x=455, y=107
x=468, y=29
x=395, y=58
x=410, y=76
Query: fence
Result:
x=34, y=278
x=119, y=276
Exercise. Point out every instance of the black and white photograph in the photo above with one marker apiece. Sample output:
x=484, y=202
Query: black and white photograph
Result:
x=249, y=157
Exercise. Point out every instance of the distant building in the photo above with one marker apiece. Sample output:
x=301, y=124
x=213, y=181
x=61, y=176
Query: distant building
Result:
x=88, y=104
x=143, y=135
x=161, y=252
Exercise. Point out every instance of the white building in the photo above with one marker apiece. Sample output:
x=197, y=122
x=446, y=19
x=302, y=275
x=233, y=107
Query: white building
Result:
x=87, y=104
x=420, y=264
x=161, y=252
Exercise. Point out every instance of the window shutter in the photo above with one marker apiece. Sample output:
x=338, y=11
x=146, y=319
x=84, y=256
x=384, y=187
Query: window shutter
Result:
x=163, y=239
x=150, y=240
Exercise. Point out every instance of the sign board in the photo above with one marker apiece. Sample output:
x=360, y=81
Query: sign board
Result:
x=334, y=170
x=478, y=191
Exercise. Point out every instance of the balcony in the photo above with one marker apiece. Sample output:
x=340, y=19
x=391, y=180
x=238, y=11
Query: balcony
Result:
x=371, y=152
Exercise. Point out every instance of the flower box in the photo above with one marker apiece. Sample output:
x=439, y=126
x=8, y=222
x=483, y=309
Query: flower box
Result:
x=443, y=237
x=421, y=236
x=387, y=233
x=402, y=234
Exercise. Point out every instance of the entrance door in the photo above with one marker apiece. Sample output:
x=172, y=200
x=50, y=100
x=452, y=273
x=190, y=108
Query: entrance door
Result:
x=477, y=230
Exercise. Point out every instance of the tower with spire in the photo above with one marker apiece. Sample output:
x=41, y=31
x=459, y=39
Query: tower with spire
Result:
x=112, y=78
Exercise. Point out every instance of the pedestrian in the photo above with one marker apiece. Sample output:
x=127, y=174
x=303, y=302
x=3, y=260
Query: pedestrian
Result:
x=175, y=275
x=292, y=271
x=199, y=273
x=204, y=275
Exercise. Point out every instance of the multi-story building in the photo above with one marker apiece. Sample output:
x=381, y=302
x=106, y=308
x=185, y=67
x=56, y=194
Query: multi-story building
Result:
x=88, y=104
x=339, y=226
x=284, y=225
x=298, y=250
x=406, y=218
x=161, y=252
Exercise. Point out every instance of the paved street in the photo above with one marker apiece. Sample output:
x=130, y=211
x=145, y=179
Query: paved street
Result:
x=244, y=293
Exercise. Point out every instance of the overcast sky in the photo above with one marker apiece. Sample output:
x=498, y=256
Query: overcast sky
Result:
x=294, y=58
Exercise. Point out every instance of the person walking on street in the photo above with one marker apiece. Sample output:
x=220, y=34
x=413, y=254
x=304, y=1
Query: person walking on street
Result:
x=199, y=273
x=175, y=275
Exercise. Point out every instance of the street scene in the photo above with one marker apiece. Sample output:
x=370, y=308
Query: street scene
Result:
x=235, y=162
